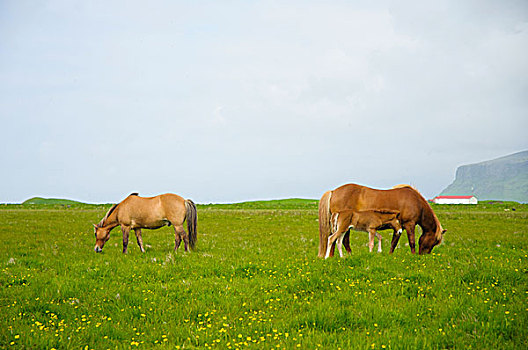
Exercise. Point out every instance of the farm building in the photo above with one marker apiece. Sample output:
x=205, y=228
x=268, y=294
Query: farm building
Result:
x=455, y=200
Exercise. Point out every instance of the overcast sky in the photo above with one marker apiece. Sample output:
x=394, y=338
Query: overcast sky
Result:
x=242, y=100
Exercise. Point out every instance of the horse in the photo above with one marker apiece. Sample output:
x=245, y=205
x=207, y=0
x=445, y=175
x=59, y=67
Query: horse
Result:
x=366, y=221
x=135, y=213
x=414, y=210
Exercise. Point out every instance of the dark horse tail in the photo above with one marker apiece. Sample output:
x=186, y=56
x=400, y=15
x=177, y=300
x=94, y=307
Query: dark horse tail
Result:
x=192, y=219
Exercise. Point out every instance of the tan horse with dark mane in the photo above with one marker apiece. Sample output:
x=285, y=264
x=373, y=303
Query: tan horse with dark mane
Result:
x=135, y=213
x=367, y=221
x=414, y=210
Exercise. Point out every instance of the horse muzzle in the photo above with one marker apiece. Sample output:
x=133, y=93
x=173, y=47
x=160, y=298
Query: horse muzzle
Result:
x=97, y=249
x=422, y=251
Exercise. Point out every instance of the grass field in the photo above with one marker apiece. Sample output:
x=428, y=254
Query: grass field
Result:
x=254, y=281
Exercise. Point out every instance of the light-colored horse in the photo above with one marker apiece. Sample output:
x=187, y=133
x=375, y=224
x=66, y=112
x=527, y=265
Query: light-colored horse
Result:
x=366, y=221
x=135, y=213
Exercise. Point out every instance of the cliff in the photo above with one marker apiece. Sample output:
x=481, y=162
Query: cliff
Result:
x=504, y=178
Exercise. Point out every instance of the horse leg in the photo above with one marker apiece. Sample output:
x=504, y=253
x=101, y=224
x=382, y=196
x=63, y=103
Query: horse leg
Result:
x=395, y=238
x=185, y=239
x=410, y=235
x=371, y=233
x=340, y=244
x=332, y=250
x=177, y=237
x=137, y=231
x=331, y=240
x=346, y=241
x=379, y=242
x=126, y=231
x=180, y=234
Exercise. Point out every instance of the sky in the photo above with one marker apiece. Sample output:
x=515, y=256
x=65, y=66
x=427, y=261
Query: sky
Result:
x=245, y=100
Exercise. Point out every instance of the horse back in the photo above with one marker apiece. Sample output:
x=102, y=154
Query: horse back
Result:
x=173, y=205
x=361, y=198
x=152, y=211
x=374, y=219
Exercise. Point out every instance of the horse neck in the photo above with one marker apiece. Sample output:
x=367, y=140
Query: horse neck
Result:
x=426, y=218
x=110, y=220
x=429, y=222
x=110, y=224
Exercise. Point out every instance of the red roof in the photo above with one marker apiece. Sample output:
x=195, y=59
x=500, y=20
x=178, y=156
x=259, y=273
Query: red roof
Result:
x=455, y=197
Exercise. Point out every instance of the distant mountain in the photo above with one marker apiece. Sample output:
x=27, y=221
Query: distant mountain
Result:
x=504, y=178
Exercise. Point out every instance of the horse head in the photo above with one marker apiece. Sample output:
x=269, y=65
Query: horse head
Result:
x=392, y=220
x=102, y=234
x=396, y=224
x=429, y=239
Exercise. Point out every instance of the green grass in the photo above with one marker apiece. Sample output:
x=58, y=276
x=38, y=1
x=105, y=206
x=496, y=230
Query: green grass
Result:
x=254, y=282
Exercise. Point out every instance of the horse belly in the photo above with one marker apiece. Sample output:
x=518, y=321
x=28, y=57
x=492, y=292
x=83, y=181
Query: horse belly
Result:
x=150, y=224
x=360, y=228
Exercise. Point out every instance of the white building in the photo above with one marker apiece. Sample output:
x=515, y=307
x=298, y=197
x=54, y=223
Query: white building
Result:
x=455, y=200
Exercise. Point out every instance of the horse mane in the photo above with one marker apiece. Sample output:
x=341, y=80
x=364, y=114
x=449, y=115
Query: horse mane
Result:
x=111, y=210
x=103, y=220
x=405, y=186
x=438, y=233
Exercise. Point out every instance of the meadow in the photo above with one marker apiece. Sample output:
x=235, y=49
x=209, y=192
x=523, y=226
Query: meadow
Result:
x=254, y=281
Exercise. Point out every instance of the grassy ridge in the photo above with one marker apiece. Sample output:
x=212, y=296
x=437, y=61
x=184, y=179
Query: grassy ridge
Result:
x=50, y=201
x=292, y=203
x=254, y=282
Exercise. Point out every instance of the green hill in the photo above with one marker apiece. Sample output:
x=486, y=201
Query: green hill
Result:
x=50, y=201
x=504, y=178
x=292, y=203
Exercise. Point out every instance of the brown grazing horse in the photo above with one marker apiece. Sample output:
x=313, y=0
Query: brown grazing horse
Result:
x=366, y=221
x=135, y=213
x=414, y=210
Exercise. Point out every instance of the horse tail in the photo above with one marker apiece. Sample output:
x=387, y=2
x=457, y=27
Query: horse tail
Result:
x=324, y=222
x=192, y=218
